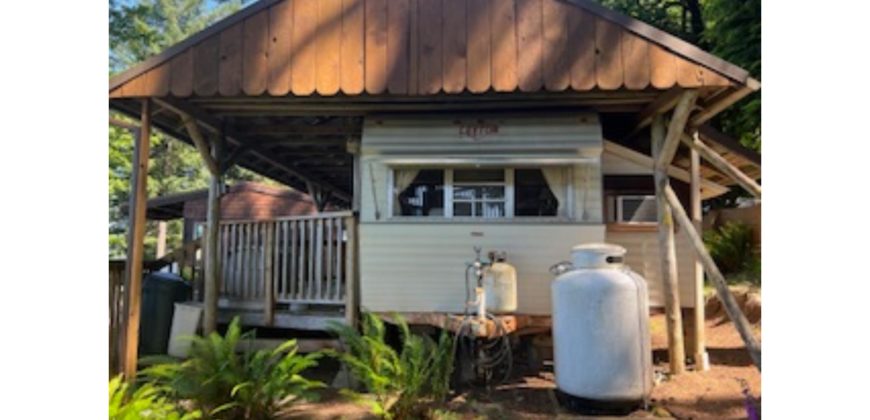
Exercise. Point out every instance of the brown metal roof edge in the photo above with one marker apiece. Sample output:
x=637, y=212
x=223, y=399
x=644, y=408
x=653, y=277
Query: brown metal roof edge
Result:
x=155, y=60
x=671, y=42
x=645, y=30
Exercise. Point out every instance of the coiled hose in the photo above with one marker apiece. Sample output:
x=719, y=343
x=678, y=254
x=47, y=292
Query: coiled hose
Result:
x=490, y=354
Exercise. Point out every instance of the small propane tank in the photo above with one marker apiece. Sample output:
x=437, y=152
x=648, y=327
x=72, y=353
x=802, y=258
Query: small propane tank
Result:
x=602, y=353
x=500, y=285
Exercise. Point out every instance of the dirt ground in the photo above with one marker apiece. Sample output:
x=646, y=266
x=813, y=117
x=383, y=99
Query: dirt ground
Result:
x=714, y=394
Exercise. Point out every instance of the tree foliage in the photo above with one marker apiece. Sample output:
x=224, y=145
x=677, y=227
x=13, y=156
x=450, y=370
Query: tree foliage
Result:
x=138, y=30
x=729, y=29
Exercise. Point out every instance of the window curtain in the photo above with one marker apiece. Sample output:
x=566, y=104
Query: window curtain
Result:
x=555, y=177
x=402, y=179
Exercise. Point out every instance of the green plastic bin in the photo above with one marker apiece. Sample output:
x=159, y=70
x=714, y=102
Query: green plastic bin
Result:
x=160, y=292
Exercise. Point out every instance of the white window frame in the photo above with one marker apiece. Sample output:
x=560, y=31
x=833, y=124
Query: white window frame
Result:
x=509, y=185
x=619, y=201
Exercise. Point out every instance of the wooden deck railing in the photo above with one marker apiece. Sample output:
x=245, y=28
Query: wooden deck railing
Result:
x=301, y=259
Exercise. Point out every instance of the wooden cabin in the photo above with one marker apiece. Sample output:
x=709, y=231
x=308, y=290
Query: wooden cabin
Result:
x=579, y=121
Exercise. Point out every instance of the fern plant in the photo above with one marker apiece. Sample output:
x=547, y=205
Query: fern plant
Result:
x=227, y=384
x=146, y=402
x=396, y=381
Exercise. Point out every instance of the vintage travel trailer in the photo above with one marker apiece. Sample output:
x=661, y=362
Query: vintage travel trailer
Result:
x=524, y=127
x=533, y=185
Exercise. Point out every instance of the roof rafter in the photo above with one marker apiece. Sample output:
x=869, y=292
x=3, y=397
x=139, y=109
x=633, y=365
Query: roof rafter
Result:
x=213, y=124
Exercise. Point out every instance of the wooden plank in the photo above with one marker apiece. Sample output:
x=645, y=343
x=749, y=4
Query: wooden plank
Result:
x=530, y=45
x=255, y=64
x=206, y=57
x=635, y=58
x=353, y=47
x=663, y=67
x=728, y=302
x=328, y=54
x=414, y=46
x=398, y=34
x=230, y=66
x=312, y=250
x=504, y=47
x=454, y=44
x=302, y=80
x=688, y=75
x=711, y=109
x=608, y=61
x=431, y=48
x=136, y=241
x=182, y=74
x=376, y=46
x=268, y=278
x=723, y=165
x=667, y=252
x=557, y=67
x=350, y=307
x=225, y=264
x=698, y=331
x=581, y=38
x=280, y=47
x=479, y=53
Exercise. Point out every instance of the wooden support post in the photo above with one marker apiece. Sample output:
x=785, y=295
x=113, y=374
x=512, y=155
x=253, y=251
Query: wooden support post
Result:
x=728, y=301
x=353, y=147
x=350, y=266
x=667, y=251
x=699, y=351
x=723, y=165
x=269, y=283
x=669, y=145
x=136, y=242
x=211, y=249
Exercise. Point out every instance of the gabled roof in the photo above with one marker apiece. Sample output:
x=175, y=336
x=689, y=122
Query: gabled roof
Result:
x=425, y=47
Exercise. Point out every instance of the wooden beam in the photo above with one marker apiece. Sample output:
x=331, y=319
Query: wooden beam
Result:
x=664, y=103
x=728, y=301
x=200, y=142
x=699, y=346
x=212, y=124
x=351, y=270
x=710, y=110
x=675, y=128
x=136, y=242
x=668, y=254
x=723, y=165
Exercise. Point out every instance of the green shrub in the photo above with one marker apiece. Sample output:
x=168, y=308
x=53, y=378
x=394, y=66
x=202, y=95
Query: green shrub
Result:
x=732, y=248
x=226, y=384
x=146, y=402
x=398, y=382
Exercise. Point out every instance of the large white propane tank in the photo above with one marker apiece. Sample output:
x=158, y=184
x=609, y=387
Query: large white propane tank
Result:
x=602, y=351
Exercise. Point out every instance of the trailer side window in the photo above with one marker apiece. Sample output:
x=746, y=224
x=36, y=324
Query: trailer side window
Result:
x=419, y=192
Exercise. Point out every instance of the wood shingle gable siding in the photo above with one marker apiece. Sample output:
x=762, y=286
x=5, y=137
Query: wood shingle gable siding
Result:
x=423, y=47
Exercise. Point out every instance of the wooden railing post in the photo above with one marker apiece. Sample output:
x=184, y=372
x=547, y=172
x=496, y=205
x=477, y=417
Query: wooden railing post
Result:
x=268, y=283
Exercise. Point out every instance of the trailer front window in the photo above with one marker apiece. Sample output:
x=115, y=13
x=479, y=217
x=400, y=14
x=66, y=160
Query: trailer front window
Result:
x=479, y=193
